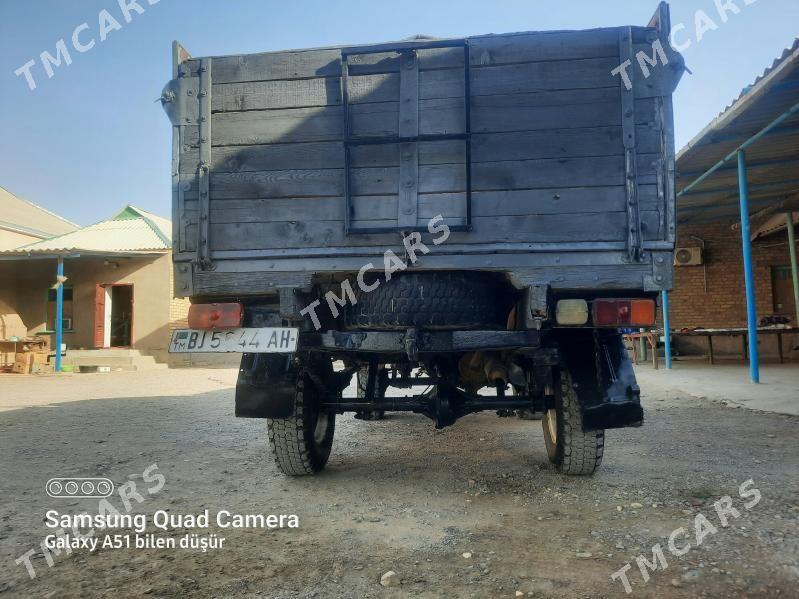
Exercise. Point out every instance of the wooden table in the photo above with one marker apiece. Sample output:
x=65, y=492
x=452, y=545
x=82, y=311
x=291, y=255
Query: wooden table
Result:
x=22, y=344
x=652, y=338
x=734, y=332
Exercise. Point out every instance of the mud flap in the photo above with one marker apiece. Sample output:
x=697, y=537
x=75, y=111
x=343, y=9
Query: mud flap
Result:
x=266, y=386
x=603, y=377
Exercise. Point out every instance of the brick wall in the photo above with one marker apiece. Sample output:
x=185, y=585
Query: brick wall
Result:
x=724, y=303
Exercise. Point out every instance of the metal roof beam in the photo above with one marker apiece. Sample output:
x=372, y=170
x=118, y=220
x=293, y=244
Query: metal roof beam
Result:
x=749, y=166
x=772, y=125
x=731, y=201
x=722, y=137
x=757, y=186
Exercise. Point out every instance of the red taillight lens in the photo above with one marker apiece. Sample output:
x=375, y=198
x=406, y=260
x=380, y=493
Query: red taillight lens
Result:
x=623, y=312
x=215, y=316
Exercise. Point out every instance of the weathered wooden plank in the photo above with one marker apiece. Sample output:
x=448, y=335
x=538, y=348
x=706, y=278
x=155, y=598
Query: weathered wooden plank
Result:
x=529, y=112
x=389, y=62
x=313, y=155
x=430, y=152
x=275, y=126
x=440, y=178
x=608, y=226
x=486, y=147
x=525, y=145
x=261, y=95
x=258, y=277
x=589, y=73
x=574, y=200
x=309, y=155
x=567, y=172
x=267, y=66
x=326, y=91
x=446, y=83
x=543, y=46
x=436, y=117
x=514, y=112
x=292, y=183
x=451, y=205
x=249, y=283
x=292, y=209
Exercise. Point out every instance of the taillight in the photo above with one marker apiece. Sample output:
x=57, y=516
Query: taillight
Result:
x=622, y=312
x=215, y=316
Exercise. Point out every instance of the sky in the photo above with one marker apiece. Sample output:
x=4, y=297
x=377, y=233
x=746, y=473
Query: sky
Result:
x=92, y=138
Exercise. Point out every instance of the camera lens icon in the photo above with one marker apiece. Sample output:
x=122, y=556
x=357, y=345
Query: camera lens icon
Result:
x=79, y=487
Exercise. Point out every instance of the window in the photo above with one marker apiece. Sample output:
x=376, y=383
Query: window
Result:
x=67, y=314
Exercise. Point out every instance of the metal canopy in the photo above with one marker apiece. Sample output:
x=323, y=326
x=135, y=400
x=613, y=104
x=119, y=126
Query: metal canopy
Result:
x=770, y=103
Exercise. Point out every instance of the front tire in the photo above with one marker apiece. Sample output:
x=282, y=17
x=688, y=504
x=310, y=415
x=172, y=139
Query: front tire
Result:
x=572, y=450
x=302, y=442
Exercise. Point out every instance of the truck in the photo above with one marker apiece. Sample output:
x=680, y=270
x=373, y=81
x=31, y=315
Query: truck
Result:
x=458, y=225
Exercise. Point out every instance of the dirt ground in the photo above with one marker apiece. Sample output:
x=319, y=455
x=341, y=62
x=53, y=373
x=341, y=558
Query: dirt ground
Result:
x=474, y=510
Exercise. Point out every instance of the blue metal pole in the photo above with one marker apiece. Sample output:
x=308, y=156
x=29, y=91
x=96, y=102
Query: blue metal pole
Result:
x=666, y=327
x=749, y=274
x=59, y=313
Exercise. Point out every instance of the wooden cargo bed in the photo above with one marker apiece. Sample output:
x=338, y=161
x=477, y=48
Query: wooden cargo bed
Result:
x=303, y=161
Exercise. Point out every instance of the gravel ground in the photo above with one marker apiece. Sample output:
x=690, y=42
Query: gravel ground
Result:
x=474, y=510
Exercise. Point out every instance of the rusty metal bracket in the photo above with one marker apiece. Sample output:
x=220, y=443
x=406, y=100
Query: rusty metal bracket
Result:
x=179, y=101
x=204, y=170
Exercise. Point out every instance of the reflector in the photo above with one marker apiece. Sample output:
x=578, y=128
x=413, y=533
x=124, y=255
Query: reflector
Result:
x=621, y=312
x=571, y=311
x=215, y=316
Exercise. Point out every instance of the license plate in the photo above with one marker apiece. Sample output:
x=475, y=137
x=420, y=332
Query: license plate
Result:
x=243, y=340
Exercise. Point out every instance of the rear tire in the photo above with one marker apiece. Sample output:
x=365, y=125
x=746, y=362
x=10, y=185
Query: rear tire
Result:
x=568, y=447
x=302, y=442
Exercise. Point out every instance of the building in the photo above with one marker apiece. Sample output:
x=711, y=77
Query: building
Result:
x=23, y=222
x=737, y=203
x=117, y=285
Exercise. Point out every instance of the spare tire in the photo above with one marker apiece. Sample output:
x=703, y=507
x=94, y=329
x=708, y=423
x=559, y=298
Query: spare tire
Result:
x=431, y=300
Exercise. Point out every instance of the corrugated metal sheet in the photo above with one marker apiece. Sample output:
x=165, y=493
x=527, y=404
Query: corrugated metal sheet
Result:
x=777, y=61
x=28, y=217
x=772, y=162
x=137, y=231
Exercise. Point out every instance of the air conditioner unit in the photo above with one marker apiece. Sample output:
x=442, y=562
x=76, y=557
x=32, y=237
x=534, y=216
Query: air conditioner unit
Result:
x=688, y=256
